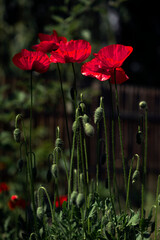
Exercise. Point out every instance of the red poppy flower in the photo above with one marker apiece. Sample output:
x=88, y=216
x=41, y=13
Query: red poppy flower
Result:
x=29, y=60
x=16, y=202
x=60, y=200
x=3, y=187
x=48, y=42
x=114, y=55
x=95, y=68
x=72, y=51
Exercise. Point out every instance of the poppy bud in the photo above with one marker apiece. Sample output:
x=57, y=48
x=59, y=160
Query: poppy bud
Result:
x=17, y=135
x=59, y=143
x=135, y=176
x=80, y=200
x=89, y=130
x=98, y=115
x=75, y=126
x=139, y=137
x=82, y=106
x=143, y=105
x=110, y=228
x=40, y=212
x=85, y=119
x=54, y=170
x=74, y=197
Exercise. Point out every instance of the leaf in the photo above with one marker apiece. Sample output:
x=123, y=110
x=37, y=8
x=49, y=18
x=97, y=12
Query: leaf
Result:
x=134, y=220
x=92, y=212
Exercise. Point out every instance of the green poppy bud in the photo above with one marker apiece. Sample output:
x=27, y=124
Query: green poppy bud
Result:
x=143, y=105
x=59, y=143
x=40, y=212
x=98, y=115
x=75, y=126
x=80, y=200
x=110, y=228
x=17, y=135
x=82, y=107
x=89, y=130
x=54, y=170
x=85, y=118
x=135, y=176
x=74, y=197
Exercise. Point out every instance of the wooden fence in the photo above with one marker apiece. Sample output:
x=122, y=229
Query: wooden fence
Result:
x=129, y=98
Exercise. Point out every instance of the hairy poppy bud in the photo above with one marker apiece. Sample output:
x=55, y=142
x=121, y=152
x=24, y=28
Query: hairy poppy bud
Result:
x=75, y=126
x=82, y=107
x=80, y=200
x=143, y=105
x=54, y=170
x=74, y=197
x=85, y=119
x=89, y=130
x=139, y=137
x=40, y=212
x=17, y=135
x=98, y=115
x=59, y=143
x=135, y=176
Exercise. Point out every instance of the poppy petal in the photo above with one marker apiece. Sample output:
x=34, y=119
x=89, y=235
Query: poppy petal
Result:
x=120, y=76
x=94, y=69
x=114, y=55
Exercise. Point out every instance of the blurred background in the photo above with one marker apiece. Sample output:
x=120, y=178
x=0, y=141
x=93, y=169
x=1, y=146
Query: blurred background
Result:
x=129, y=22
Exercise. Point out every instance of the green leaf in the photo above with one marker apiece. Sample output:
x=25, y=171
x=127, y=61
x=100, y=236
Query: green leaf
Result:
x=134, y=220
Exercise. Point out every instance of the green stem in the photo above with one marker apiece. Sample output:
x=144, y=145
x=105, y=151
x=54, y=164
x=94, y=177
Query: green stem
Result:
x=74, y=86
x=97, y=164
x=71, y=165
x=156, y=213
x=64, y=105
x=120, y=132
x=107, y=159
x=128, y=185
x=49, y=201
x=30, y=151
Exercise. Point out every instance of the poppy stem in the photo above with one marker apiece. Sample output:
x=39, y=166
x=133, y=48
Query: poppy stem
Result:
x=156, y=213
x=64, y=105
x=120, y=131
x=113, y=149
x=30, y=152
x=74, y=86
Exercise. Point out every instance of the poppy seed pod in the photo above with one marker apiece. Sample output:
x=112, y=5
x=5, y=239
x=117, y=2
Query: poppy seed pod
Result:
x=40, y=212
x=80, y=200
x=135, y=176
x=74, y=197
x=98, y=115
x=59, y=143
x=143, y=105
x=17, y=135
x=89, y=130
x=54, y=170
